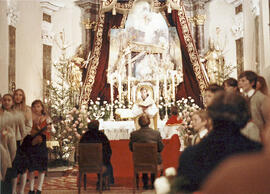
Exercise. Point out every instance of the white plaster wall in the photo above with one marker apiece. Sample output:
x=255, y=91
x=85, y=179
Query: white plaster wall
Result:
x=68, y=19
x=264, y=35
x=3, y=48
x=220, y=14
x=29, y=67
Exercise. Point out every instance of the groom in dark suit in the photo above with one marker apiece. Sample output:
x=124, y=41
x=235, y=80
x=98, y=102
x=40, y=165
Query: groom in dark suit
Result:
x=146, y=135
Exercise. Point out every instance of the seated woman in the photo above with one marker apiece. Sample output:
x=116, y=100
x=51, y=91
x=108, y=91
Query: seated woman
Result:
x=229, y=113
x=201, y=124
x=93, y=135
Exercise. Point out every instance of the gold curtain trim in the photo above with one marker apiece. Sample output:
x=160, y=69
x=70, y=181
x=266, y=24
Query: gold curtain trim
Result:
x=91, y=71
x=192, y=51
x=124, y=19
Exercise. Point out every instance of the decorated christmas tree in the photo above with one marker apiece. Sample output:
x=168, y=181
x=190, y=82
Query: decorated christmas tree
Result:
x=63, y=97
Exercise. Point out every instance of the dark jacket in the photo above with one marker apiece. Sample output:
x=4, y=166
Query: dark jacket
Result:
x=197, y=162
x=99, y=137
x=147, y=135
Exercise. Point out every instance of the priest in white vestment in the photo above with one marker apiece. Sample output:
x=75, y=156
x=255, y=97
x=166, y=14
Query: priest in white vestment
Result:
x=145, y=105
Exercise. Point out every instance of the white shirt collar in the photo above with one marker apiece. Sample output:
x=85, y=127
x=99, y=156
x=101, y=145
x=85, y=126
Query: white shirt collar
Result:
x=203, y=132
x=250, y=93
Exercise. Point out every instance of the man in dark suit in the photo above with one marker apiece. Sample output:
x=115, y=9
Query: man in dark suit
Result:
x=229, y=113
x=93, y=135
x=146, y=135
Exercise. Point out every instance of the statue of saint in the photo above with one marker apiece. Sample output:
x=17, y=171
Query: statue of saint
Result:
x=214, y=61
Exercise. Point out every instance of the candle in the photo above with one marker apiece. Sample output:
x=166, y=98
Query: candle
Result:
x=157, y=90
x=120, y=88
x=165, y=87
x=111, y=80
x=128, y=89
x=173, y=87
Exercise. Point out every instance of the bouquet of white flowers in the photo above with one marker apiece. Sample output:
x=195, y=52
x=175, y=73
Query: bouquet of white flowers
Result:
x=99, y=110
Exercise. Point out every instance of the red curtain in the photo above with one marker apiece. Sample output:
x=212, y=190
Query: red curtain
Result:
x=190, y=86
x=100, y=87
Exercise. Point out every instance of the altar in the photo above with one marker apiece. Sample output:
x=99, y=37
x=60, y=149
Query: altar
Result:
x=120, y=130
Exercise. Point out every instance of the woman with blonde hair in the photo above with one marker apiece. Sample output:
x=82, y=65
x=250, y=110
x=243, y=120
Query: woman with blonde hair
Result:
x=21, y=107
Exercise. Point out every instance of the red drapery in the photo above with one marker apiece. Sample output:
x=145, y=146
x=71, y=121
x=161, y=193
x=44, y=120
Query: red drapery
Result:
x=190, y=86
x=100, y=87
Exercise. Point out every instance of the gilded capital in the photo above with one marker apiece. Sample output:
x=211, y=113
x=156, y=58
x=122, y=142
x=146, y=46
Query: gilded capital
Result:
x=199, y=19
x=88, y=24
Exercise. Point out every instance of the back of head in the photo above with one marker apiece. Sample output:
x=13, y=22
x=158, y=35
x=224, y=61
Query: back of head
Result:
x=229, y=110
x=231, y=82
x=174, y=110
x=144, y=120
x=93, y=125
x=214, y=88
x=251, y=77
x=262, y=85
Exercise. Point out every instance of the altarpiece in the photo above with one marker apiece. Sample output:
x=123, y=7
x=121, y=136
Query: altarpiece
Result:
x=128, y=54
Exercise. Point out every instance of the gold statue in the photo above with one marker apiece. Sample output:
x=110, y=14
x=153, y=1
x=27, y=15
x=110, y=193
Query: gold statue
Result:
x=214, y=63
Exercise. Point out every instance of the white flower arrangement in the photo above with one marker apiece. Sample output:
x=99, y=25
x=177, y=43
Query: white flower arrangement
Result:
x=99, y=110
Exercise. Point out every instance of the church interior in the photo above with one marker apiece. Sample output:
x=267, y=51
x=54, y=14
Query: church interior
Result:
x=115, y=61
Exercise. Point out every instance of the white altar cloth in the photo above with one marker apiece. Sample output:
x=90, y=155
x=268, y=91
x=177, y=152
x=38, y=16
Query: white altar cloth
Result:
x=116, y=130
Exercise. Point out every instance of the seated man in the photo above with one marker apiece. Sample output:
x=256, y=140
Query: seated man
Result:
x=145, y=105
x=146, y=135
x=93, y=135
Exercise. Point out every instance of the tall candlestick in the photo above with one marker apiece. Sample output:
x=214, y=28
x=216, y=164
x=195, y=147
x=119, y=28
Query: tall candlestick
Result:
x=111, y=91
x=165, y=87
x=173, y=87
x=111, y=84
x=157, y=90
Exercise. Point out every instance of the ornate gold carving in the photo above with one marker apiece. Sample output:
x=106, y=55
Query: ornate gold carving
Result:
x=193, y=55
x=91, y=72
x=199, y=19
x=159, y=4
x=89, y=25
x=127, y=5
x=107, y=2
x=124, y=19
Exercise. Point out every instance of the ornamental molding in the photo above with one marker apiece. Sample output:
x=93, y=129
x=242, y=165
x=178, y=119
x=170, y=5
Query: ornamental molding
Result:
x=47, y=34
x=50, y=6
x=255, y=7
x=12, y=13
x=124, y=7
x=234, y=2
x=238, y=26
x=85, y=4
